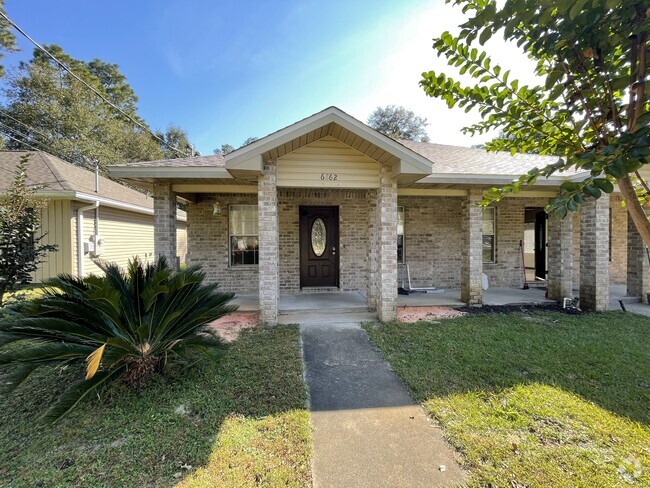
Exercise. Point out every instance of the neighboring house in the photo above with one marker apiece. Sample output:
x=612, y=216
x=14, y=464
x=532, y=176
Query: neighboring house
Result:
x=84, y=210
x=329, y=204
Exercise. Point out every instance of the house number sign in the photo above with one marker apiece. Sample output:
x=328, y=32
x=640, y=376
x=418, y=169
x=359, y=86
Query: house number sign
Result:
x=329, y=176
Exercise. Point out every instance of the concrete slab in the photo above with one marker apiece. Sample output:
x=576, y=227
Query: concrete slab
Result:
x=368, y=432
x=491, y=296
x=348, y=301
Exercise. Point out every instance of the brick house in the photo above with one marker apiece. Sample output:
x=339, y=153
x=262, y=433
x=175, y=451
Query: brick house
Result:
x=329, y=204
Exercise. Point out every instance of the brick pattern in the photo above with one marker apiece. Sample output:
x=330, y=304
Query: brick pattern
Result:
x=208, y=246
x=638, y=267
x=594, y=257
x=164, y=211
x=269, y=254
x=432, y=239
x=618, y=264
x=354, y=242
x=560, y=257
x=386, y=245
x=471, y=266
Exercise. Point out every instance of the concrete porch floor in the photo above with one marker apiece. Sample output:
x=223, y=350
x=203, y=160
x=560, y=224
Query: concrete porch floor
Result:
x=356, y=302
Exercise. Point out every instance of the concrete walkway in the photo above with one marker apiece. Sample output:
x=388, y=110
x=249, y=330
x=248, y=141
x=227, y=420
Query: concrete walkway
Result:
x=368, y=432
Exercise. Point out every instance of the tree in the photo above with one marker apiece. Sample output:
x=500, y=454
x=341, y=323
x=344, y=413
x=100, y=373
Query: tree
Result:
x=50, y=110
x=593, y=109
x=7, y=39
x=399, y=123
x=227, y=148
x=175, y=137
x=21, y=250
x=224, y=149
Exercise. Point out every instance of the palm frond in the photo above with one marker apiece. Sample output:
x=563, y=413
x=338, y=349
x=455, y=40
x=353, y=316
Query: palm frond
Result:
x=78, y=391
x=11, y=380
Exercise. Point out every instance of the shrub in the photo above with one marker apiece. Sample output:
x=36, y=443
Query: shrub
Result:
x=127, y=325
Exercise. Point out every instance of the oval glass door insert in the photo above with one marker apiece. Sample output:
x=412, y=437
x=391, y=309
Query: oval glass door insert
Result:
x=318, y=237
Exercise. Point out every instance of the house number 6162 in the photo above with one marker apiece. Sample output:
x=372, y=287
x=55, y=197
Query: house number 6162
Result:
x=329, y=176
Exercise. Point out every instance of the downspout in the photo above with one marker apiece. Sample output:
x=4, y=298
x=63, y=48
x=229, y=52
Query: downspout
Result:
x=80, y=236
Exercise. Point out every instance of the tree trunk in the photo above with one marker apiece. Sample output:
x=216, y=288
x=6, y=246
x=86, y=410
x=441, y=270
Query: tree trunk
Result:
x=634, y=208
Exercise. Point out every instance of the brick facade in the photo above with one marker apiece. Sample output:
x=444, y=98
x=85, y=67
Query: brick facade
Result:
x=594, y=254
x=164, y=210
x=354, y=241
x=385, y=215
x=471, y=265
x=269, y=269
x=433, y=240
x=560, y=257
x=208, y=244
x=638, y=266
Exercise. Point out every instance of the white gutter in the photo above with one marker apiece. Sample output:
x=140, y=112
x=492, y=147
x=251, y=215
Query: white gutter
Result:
x=80, y=236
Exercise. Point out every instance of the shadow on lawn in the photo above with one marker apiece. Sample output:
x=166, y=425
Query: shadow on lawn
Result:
x=602, y=357
x=159, y=436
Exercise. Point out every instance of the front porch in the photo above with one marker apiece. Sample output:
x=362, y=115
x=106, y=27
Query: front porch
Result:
x=356, y=302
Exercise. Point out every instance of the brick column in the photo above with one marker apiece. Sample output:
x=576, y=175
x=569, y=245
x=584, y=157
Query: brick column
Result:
x=269, y=271
x=471, y=268
x=373, y=249
x=594, y=254
x=638, y=267
x=560, y=257
x=386, y=238
x=164, y=212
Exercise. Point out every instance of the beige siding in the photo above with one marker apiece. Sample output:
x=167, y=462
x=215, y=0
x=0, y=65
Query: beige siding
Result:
x=181, y=240
x=125, y=234
x=327, y=163
x=56, y=225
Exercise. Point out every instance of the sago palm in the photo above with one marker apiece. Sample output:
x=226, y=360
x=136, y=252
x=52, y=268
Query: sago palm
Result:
x=126, y=324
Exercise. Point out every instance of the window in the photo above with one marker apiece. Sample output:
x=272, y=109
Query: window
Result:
x=400, y=235
x=244, y=244
x=489, y=235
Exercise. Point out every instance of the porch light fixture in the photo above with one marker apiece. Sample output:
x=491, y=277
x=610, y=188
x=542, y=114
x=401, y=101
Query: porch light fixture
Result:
x=216, y=209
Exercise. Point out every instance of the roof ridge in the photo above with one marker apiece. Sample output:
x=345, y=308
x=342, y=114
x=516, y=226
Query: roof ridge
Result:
x=46, y=160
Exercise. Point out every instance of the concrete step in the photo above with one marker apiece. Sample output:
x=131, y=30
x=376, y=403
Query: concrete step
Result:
x=326, y=311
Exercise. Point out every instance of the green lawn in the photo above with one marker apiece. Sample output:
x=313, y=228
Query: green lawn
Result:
x=542, y=399
x=240, y=422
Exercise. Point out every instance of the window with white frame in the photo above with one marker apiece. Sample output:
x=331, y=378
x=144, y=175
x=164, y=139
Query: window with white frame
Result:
x=243, y=230
x=400, y=235
x=489, y=235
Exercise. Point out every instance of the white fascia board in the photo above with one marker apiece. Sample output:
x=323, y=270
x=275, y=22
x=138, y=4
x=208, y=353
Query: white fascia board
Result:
x=109, y=202
x=327, y=116
x=168, y=172
x=482, y=179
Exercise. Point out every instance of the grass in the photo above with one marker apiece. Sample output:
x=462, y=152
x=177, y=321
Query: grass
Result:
x=240, y=422
x=26, y=292
x=543, y=399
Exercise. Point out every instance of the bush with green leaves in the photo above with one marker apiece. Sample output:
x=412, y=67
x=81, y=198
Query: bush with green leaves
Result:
x=127, y=325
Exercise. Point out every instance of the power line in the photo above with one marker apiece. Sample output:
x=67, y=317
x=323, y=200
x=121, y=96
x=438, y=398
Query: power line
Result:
x=136, y=122
x=44, y=147
x=22, y=142
x=25, y=136
x=23, y=123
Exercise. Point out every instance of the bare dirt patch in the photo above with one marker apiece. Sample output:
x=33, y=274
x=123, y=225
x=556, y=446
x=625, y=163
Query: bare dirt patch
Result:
x=413, y=314
x=229, y=326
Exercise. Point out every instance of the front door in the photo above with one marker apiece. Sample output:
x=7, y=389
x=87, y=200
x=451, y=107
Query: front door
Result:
x=540, y=244
x=319, y=246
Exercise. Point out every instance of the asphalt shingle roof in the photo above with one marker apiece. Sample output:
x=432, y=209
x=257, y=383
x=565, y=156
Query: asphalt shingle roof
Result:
x=59, y=176
x=210, y=161
x=466, y=160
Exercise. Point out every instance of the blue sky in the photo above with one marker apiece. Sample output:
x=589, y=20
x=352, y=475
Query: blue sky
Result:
x=227, y=70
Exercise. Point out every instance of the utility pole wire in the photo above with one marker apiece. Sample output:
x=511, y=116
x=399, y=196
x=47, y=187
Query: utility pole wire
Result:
x=33, y=129
x=142, y=126
x=44, y=147
x=24, y=136
x=22, y=142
